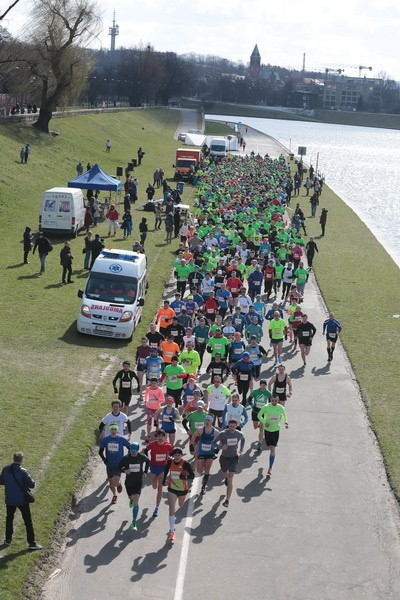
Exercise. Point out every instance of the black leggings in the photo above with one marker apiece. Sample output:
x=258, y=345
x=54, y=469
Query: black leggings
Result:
x=243, y=388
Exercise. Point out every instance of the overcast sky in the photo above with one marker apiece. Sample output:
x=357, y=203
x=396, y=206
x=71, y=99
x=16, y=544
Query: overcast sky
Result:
x=334, y=33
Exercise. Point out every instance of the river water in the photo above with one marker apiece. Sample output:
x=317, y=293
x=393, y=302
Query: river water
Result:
x=361, y=164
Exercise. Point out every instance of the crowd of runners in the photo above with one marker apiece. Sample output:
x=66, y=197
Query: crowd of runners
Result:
x=240, y=277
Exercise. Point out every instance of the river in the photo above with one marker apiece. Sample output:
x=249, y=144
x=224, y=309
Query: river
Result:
x=361, y=164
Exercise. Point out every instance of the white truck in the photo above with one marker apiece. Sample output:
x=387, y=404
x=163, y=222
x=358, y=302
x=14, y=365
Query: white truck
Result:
x=113, y=299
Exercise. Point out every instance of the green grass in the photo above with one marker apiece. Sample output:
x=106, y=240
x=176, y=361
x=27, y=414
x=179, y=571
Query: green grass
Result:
x=360, y=284
x=52, y=397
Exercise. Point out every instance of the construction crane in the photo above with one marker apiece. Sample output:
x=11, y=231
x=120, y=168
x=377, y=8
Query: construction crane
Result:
x=361, y=67
x=328, y=70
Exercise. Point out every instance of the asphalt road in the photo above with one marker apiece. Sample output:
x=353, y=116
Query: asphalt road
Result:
x=325, y=527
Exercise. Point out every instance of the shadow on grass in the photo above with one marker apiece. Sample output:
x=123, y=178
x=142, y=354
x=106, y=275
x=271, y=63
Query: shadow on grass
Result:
x=72, y=336
x=322, y=371
x=17, y=266
x=52, y=286
x=9, y=557
x=32, y=276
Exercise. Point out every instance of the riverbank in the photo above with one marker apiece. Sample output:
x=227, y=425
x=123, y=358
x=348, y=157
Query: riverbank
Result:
x=361, y=119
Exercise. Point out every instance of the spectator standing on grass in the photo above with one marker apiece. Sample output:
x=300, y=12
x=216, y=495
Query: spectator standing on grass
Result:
x=27, y=152
x=150, y=191
x=79, y=168
x=96, y=246
x=112, y=217
x=311, y=249
x=143, y=228
x=17, y=481
x=157, y=217
x=322, y=220
x=314, y=201
x=66, y=259
x=140, y=155
x=88, y=219
x=108, y=146
x=87, y=250
x=22, y=155
x=44, y=247
x=28, y=243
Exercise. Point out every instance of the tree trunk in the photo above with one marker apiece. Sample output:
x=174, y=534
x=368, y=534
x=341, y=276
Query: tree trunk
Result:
x=45, y=115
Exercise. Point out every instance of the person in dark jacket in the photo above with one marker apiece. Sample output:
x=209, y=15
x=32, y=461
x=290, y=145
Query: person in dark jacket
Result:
x=322, y=220
x=96, y=247
x=66, y=262
x=44, y=247
x=28, y=243
x=311, y=249
x=143, y=228
x=16, y=480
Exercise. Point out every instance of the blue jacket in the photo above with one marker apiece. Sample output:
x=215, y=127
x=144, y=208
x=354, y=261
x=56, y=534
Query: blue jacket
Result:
x=14, y=496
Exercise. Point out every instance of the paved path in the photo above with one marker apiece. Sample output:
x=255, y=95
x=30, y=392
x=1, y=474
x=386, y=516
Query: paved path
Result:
x=325, y=527
x=190, y=119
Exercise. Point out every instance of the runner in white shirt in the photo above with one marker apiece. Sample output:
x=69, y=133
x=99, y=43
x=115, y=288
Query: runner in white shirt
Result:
x=217, y=395
x=115, y=417
x=244, y=301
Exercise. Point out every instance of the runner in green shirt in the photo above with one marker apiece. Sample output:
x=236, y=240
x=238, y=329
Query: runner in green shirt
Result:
x=218, y=344
x=258, y=399
x=277, y=331
x=190, y=359
x=174, y=375
x=271, y=416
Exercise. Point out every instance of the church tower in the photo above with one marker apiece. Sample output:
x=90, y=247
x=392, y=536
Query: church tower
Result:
x=255, y=63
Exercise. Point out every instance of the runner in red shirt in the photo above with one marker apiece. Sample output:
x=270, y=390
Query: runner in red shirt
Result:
x=159, y=452
x=233, y=284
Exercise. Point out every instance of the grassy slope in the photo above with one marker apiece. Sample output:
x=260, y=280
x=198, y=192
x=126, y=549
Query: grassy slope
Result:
x=360, y=284
x=50, y=393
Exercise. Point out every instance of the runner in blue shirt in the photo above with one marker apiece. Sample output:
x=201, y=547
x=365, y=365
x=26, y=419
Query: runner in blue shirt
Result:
x=113, y=445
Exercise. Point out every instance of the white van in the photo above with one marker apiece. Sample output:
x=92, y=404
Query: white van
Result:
x=113, y=299
x=218, y=147
x=62, y=211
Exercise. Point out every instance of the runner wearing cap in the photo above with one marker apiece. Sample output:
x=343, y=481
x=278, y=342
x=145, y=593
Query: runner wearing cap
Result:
x=168, y=415
x=195, y=421
x=243, y=370
x=271, y=415
x=206, y=450
x=159, y=451
x=177, y=474
x=231, y=441
x=124, y=377
x=113, y=445
x=135, y=466
x=115, y=417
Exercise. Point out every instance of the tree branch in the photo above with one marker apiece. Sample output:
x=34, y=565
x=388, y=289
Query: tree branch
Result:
x=8, y=9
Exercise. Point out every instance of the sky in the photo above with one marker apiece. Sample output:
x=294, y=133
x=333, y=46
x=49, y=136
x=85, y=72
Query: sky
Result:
x=333, y=34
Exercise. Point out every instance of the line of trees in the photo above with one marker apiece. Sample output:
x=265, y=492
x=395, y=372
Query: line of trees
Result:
x=52, y=66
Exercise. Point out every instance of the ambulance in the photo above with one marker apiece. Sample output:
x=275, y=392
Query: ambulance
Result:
x=113, y=299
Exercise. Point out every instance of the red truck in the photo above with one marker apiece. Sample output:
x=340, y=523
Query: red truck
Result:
x=186, y=158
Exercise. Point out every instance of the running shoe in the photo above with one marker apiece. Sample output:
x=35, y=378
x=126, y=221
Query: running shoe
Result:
x=133, y=526
x=114, y=500
x=7, y=543
x=119, y=488
x=35, y=546
x=269, y=472
x=259, y=446
x=130, y=503
x=202, y=491
x=171, y=536
x=226, y=503
x=155, y=512
x=279, y=361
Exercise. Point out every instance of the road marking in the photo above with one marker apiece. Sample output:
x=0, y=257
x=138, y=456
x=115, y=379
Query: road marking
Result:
x=180, y=578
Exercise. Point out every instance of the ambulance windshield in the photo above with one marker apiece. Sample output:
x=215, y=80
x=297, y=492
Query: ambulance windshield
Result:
x=108, y=288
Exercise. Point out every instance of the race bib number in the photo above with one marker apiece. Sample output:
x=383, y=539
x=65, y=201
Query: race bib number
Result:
x=175, y=475
x=332, y=335
x=274, y=419
x=134, y=468
x=111, y=447
x=142, y=361
x=199, y=425
x=305, y=333
x=280, y=390
x=259, y=403
x=243, y=377
x=126, y=384
x=161, y=457
x=231, y=442
x=206, y=447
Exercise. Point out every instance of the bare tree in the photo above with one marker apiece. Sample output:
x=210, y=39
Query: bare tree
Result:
x=5, y=13
x=58, y=58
